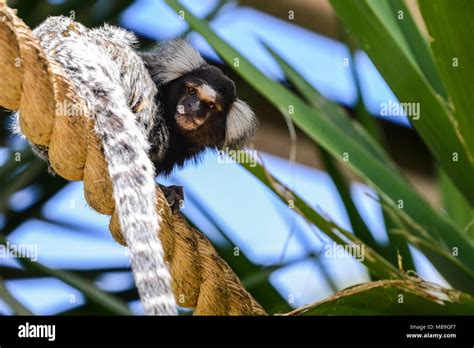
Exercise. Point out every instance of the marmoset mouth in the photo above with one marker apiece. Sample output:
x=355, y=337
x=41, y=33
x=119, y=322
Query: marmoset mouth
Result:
x=189, y=122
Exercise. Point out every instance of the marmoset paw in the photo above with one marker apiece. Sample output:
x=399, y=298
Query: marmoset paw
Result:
x=175, y=196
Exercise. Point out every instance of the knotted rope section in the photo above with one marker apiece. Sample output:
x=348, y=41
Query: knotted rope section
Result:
x=39, y=89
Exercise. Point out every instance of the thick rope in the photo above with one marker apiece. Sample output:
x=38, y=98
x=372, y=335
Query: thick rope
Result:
x=38, y=88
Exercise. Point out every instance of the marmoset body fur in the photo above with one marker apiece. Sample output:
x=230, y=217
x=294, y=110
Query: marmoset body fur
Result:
x=153, y=111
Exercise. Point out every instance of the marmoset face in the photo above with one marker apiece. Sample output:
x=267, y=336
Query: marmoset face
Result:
x=200, y=97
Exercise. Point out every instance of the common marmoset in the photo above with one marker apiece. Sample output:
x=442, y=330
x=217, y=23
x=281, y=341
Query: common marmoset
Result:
x=152, y=111
x=198, y=104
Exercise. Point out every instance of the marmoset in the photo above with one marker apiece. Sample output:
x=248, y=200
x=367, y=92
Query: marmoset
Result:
x=198, y=105
x=197, y=109
x=153, y=111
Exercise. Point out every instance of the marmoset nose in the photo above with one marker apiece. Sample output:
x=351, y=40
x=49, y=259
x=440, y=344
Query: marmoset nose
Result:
x=190, y=106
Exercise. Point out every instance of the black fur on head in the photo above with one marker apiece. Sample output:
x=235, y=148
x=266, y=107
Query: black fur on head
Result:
x=198, y=103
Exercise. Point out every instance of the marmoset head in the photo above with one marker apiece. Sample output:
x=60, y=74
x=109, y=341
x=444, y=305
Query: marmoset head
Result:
x=199, y=102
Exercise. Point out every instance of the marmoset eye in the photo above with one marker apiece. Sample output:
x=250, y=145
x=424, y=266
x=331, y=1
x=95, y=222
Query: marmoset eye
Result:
x=192, y=91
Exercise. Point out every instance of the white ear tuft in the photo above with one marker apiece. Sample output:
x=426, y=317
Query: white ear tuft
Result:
x=241, y=125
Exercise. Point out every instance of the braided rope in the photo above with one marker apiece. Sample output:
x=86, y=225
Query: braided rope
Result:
x=38, y=88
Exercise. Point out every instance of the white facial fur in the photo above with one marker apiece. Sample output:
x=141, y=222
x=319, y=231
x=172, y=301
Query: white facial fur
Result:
x=209, y=92
x=240, y=122
x=187, y=60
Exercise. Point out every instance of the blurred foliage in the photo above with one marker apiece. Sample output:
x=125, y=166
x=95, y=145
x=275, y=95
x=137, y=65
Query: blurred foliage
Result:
x=407, y=297
x=393, y=46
